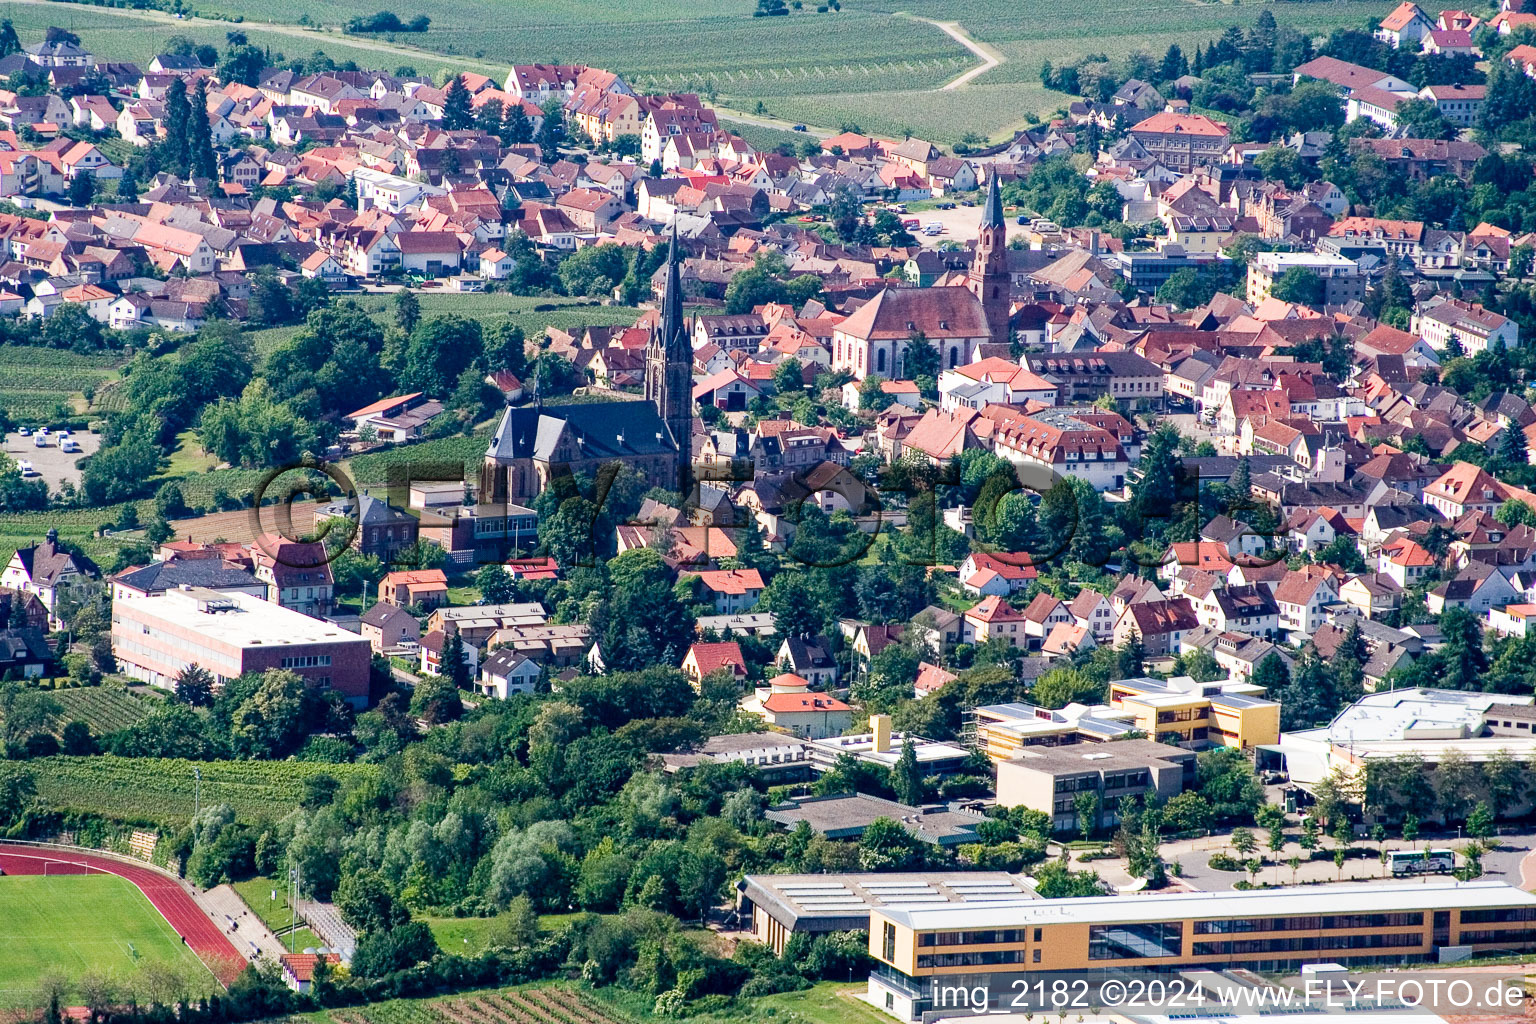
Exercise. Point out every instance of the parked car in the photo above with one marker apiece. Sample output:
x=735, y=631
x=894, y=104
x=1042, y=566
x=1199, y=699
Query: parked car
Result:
x=25, y=431
x=40, y=439
x=799, y=128
x=932, y=228
x=69, y=446
x=27, y=472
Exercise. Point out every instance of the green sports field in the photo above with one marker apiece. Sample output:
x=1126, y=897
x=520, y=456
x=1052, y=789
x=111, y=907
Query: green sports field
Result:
x=72, y=926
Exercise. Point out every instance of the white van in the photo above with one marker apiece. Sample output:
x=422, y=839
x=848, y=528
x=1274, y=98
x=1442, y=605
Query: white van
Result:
x=27, y=472
x=69, y=446
x=40, y=439
x=933, y=227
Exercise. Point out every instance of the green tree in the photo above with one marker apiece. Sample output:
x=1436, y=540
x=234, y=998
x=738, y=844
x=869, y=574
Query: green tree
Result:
x=194, y=686
x=1301, y=286
x=1187, y=289
x=201, y=161
x=886, y=845
x=82, y=189
x=552, y=130
x=407, y=310
x=457, y=111
x=496, y=585
x=1086, y=807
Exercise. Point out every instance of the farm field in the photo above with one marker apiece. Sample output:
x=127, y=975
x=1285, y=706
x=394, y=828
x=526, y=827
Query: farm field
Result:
x=158, y=790
x=104, y=708
x=68, y=925
x=872, y=64
x=36, y=383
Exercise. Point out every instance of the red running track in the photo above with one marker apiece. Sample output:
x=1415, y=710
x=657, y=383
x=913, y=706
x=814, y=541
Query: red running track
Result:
x=179, y=909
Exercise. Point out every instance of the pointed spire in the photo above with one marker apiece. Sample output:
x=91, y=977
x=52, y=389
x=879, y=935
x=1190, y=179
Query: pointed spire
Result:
x=993, y=216
x=672, y=300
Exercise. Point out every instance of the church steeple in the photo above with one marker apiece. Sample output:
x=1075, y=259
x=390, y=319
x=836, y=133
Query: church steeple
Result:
x=988, y=277
x=669, y=364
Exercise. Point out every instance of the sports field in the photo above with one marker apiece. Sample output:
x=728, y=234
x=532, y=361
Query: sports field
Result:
x=71, y=926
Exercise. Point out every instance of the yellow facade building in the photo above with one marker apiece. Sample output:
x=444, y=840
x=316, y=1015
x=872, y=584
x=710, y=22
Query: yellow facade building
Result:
x=928, y=955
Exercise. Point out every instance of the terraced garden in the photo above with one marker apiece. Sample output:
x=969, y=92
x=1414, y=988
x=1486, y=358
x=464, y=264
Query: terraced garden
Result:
x=544, y=1005
x=39, y=384
x=163, y=790
x=104, y=708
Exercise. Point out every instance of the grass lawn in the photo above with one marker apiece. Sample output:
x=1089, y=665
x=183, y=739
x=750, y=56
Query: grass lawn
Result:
x=69, y=925
x=301, y=939
x=188, y=459
x=257, y=893
x=828, y=1002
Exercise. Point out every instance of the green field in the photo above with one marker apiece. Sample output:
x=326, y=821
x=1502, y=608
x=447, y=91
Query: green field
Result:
x=875, y=63
x=104, y=708
x=36, y=383
x=500, y=307
x=163, y=790
x=71, y=925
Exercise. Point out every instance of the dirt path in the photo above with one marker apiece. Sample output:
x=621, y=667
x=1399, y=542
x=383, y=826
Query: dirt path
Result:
x=990, y=57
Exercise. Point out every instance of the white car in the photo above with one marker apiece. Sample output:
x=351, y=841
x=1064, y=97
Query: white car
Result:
x=27, y=472
x=25, y=431
x=40, y=440
x=43, y=431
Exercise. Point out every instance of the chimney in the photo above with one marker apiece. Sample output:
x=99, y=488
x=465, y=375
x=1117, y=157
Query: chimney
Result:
x=880, y=725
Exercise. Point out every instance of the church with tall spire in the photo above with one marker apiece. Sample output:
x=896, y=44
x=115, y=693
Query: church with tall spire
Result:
x=669, y=357
x=535, y=443
x=957, y=316
x=988, y=277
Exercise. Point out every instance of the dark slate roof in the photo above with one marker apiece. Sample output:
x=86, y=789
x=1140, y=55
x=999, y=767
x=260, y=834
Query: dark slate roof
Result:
x=25, y=645
x=382, y=613
x=608, y=430
x=212, y=573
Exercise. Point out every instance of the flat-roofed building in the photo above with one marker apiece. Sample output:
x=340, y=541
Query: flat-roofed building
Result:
x=478, y=623
x=1051, y=779
x=847, y=815
x=1002, y=730
x=1199, y=715
x=918, y=946
x=1343, y=280
x=230, y=634
x=883, y=747
x=1417, y=723
x=775, y=907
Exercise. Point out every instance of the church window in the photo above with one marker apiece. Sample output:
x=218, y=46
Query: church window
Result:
x=880, y=361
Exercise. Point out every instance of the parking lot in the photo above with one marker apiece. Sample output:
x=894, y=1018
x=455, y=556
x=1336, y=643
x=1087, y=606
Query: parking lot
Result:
x=960, y=224
x=52, y=465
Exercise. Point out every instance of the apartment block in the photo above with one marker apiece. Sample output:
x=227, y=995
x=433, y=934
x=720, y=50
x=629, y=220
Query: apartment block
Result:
x=1343, y=280
x=154, y=638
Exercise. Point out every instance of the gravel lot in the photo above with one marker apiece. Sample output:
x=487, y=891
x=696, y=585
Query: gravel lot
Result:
x=54, y=465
